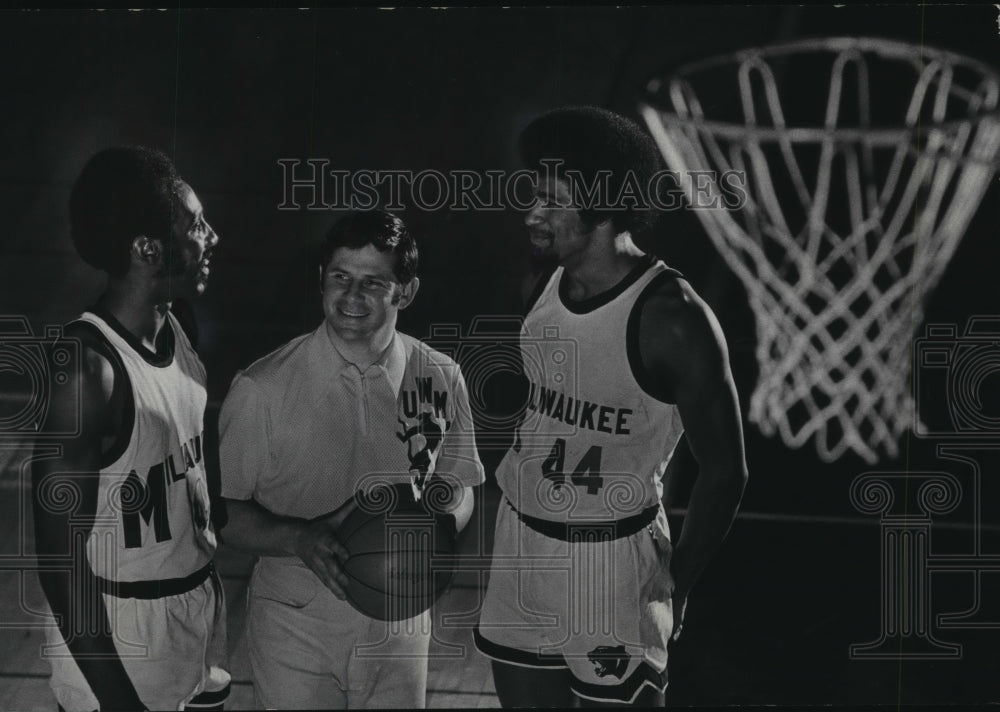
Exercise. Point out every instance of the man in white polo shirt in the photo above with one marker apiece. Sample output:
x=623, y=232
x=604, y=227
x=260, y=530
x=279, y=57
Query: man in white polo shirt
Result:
x=300, y=430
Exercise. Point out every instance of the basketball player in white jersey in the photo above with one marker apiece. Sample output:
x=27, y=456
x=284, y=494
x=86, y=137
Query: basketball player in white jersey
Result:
x=123, y=521
x=586, y=588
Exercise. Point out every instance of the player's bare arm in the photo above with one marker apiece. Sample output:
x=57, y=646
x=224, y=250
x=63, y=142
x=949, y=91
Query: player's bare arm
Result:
x=254, y=529
x=61, y=535
x=685, y=352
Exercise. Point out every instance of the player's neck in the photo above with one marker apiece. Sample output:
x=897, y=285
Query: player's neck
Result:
x=603, y=265
x=362, y=353
x=136, y=308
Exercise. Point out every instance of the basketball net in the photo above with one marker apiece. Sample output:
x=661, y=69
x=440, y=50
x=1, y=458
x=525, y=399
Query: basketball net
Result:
x=850, y=214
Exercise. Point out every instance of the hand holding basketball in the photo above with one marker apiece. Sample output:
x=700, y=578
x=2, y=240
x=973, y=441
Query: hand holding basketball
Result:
x=320, y=549
x=400, y=551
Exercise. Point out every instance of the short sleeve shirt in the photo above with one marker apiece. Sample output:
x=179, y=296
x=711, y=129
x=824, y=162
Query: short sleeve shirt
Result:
x=302, y=428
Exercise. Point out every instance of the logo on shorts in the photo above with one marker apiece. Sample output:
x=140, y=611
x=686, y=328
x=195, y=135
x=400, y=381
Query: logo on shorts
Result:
x=609, y=660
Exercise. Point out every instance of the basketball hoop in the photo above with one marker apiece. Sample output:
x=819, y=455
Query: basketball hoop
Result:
x=864, y=161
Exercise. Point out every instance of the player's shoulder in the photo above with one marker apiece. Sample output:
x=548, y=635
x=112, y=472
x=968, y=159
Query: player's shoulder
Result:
x=414, y=348
x=671, y=317
x=670, y=297
x=97, y=359
x=275, y=368
x=422, y=356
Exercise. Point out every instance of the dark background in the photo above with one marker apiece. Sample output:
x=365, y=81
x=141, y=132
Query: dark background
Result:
x=229, y=93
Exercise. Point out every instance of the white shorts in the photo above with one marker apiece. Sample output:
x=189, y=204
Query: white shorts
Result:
x=310, y=650
x=601, y=609
x=173, y=649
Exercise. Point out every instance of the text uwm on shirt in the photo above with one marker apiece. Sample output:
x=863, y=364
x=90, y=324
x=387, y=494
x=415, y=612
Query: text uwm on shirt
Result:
x=424, y=394
x=145, y=500
x=424, y=423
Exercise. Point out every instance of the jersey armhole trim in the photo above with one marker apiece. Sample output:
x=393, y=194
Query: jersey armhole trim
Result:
x=96, y=340
x=639, y=371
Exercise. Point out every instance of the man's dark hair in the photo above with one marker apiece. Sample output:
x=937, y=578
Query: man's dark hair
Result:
x=385, y=231
x=121, y=193
x=589, y=139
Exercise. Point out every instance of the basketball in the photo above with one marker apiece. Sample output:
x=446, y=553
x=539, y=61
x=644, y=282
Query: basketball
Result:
x=400, y=553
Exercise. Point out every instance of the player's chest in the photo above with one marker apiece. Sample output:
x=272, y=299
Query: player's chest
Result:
x=371, y=416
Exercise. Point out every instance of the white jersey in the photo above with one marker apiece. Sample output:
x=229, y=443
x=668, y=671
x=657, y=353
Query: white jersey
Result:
x=153, y=513
x=593, y=443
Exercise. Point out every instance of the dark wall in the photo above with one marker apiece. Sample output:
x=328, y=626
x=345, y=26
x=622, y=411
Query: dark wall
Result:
x=229, y=93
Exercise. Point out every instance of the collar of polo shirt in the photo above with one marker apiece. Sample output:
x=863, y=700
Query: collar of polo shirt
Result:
x=391, y=364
